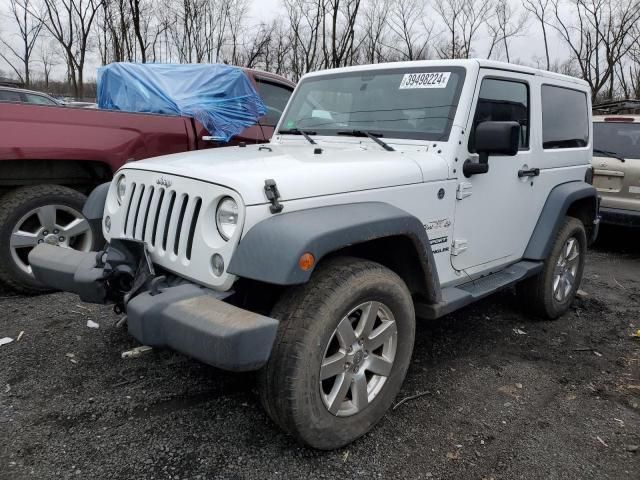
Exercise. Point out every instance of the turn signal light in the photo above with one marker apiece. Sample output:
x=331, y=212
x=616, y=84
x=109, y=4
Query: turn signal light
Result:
x=306, y=262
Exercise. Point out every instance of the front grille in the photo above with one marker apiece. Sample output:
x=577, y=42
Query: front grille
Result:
x=164, y=219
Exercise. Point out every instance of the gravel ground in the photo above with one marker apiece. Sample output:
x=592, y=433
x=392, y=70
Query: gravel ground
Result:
x=498, y=396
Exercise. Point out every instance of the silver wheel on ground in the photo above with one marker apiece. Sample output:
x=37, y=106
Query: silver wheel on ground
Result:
x=358, y=359
x=549, y=293
x=39, y=214
x=342, y=351
x=53, y=224
x=565, y=273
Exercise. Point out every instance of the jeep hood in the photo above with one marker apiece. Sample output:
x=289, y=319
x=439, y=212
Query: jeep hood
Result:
x=297, y=170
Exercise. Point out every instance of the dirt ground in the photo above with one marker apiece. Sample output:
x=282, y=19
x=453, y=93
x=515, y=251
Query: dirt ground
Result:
x=497, y=396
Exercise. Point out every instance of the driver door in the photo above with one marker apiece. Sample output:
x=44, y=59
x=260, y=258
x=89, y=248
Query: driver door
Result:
x=493, y=208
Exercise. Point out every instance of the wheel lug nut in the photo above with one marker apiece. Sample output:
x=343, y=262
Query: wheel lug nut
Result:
x=61, y=239
x=45, y=232
x=40, y=240
x=55, y=232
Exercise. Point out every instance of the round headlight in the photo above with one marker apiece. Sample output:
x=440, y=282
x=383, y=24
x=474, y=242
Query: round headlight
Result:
x=227, y=217
x=121, y=188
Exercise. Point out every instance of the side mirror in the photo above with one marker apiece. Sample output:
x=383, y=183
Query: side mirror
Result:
x=492, y=138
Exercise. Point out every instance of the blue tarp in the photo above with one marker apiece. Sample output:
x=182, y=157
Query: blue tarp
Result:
x=220, y=97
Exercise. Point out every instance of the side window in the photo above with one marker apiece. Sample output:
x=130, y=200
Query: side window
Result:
x=565, y=118
x=503, y=101
x=275, y=98
x=9, y=96
x=39, y=99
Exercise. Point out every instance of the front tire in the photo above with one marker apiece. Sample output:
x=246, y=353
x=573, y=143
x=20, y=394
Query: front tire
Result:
x=341, y=354
x=39, y=214
x=550, y=293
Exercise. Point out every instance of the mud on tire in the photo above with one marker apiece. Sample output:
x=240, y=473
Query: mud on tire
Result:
x=548, y=295
x=315, y=321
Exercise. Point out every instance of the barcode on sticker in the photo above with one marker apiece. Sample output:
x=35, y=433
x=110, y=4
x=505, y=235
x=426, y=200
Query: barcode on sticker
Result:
x=425, y=80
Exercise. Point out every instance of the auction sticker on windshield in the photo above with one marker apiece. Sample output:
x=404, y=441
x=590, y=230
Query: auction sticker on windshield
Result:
x=425, y=80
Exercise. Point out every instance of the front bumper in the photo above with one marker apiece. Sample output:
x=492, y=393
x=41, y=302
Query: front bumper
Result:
x=188, y=318
x=619, y=216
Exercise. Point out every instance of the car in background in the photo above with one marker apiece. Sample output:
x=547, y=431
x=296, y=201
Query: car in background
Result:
x=52, y=155
x=616, y=162
x=20, y=95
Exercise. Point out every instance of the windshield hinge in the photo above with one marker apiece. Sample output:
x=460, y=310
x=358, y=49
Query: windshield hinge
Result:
x=459, y=245
x=271, y=190
x=464, y=190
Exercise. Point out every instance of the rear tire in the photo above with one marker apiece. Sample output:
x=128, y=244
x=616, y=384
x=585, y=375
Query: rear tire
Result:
x=551, y=292
x=324, y=333
x=23, y=215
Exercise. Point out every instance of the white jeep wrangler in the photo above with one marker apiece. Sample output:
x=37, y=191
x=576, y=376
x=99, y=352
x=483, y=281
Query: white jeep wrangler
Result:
x=388, y=193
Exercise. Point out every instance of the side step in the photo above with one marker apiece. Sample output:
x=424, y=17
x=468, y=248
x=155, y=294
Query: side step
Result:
x=457, y=297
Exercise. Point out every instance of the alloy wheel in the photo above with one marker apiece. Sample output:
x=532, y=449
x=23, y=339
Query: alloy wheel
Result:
x=53, y=224
x=358, y=359
x=566, y=270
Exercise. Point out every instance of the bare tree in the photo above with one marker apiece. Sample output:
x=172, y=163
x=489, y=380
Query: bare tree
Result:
x=603, y=33
x=406, y=21
x=69, y=22
x=375, y=30
x=539, y=8
x=48, y=58
x=462, y=20
x=305, y=20
x=29, y=28
x=504, y=25
x=338, y=28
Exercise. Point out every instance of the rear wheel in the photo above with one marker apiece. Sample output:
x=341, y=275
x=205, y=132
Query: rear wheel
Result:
x=40, y=214
x=342, y=351
x=550, y=293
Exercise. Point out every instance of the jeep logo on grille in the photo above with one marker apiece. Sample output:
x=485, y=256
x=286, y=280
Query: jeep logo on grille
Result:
x=164, y=182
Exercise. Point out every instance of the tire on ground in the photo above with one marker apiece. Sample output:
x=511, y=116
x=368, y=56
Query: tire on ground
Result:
x=14, y=205
x=537, y=293
x=290, y=386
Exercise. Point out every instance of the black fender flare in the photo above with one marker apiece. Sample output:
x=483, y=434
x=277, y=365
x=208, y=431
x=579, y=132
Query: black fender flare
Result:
x=93, y=211
x=553, y=213
x=94, y=206
x=270, y=250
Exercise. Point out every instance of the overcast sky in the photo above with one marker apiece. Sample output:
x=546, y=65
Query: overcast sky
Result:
x=522, y=49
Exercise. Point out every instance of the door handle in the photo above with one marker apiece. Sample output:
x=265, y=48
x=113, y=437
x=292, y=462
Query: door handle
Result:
x=531, y=172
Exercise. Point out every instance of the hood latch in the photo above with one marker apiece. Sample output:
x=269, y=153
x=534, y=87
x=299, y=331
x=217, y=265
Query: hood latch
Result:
x=271, y=190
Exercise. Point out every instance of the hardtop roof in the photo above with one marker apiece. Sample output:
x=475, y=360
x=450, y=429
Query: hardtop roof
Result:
x=472, y=62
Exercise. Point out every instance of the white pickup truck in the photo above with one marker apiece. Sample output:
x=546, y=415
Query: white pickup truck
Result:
x=388, y=193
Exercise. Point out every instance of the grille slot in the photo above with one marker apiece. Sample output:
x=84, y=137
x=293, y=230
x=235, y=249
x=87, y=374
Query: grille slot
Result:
x=167, y=219
x=164, y=219
x=192, y=228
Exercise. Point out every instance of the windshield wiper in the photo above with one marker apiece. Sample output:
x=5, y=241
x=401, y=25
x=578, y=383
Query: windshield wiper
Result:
x=372, y=136
x=608, y=153
x=297, y=131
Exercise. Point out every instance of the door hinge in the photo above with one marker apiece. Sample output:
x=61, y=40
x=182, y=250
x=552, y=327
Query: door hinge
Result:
x=459, y=245
x=465, y=189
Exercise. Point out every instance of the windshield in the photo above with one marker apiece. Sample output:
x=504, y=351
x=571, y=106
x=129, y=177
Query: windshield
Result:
x=416, y=103
x=620, y=138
